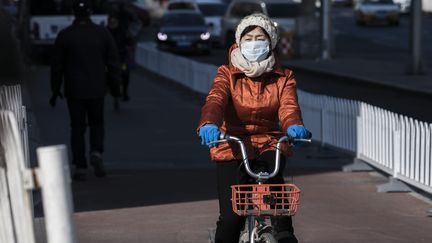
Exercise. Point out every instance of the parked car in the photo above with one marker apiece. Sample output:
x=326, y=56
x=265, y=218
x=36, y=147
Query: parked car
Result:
x=282, y=12
x=182, y=5
x=376, y=11
x=183, y=30
x=213, y=10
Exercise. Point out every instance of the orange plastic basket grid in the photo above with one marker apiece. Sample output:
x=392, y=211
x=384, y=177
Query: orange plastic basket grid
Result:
x=265, y=199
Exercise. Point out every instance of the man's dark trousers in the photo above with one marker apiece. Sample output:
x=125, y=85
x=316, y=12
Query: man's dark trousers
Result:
x=83, y=112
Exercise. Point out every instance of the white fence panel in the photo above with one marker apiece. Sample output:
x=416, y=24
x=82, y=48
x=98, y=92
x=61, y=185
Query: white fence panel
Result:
x=380, y=134
x=416, y=154
x=11, y=99
x=20, y=198
x=312, y=113
x=428, y=156
x=412, y=149
x=338, y=116
x=409, y=151
x=402, y=144
x=330, y=121
x=417, y=164
x=422, y=159
x=395, y=141
x=6, y=222
x=374, y=136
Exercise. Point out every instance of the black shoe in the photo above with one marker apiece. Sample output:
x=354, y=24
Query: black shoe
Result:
x=97, y=163
x=79, y=174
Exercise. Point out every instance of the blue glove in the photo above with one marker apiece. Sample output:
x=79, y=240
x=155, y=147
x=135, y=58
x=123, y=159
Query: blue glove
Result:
x=298, y=131
x=209, y=133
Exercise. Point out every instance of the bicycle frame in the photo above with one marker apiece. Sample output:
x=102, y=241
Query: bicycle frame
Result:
x=260, y=177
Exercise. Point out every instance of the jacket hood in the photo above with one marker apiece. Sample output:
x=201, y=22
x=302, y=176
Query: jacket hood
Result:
x=277, y=69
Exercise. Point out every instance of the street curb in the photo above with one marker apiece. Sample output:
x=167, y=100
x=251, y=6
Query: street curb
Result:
x=357, y=79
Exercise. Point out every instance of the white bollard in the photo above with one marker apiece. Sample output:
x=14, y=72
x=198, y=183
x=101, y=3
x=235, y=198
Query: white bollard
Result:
x=55, y=181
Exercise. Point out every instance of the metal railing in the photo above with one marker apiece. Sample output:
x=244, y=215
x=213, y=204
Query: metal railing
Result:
x=16, y=210
x=395, y=144
x=17, y=180
x=11, y=99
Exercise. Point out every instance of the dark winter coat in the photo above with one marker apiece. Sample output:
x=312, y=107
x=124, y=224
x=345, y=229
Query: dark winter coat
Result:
x=85, y=57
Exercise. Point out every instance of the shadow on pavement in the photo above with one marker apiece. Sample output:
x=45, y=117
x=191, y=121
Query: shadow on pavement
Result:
x=126, y=188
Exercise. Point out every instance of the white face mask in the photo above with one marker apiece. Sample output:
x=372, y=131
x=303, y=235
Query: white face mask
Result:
x=255, y=51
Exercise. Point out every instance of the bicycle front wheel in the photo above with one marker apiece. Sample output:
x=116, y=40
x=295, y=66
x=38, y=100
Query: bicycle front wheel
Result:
x=244, y=237
x=267, y=238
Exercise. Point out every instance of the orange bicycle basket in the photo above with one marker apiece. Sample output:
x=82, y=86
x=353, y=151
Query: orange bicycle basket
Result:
x=265, y=199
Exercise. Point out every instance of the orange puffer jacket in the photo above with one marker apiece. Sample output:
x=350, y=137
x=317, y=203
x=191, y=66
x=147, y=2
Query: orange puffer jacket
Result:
x=258, y=110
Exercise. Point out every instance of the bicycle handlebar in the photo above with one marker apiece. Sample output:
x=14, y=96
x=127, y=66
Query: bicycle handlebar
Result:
x=261, y=176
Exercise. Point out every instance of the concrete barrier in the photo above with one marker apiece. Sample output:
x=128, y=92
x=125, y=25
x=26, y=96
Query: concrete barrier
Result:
x=191, y=74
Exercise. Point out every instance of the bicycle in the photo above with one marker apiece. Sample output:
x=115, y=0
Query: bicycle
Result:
x=258, y=202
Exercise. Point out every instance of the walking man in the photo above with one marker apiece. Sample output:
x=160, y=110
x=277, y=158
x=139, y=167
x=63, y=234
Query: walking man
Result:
x=85, y=58
x=123, y=43
x=124, y=25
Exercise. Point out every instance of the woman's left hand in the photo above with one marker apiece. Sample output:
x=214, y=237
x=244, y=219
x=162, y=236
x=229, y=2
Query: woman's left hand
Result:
x=298, y=131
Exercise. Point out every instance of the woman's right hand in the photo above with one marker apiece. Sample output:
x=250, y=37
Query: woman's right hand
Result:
x=209, y=133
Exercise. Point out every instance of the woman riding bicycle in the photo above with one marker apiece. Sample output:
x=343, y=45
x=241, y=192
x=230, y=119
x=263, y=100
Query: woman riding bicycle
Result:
x=255, y=99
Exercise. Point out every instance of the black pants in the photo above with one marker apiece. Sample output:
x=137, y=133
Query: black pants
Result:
x=230, y=173
x=83, y=112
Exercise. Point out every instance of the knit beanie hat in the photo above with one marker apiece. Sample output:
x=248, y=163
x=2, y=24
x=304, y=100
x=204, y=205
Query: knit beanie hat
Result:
x=262, y=21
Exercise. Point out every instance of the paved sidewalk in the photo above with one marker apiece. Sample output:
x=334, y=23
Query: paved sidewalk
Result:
x=161, y=185
x=391, y=74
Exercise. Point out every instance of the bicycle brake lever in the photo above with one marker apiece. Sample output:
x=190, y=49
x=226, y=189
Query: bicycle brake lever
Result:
x=218, y=141
x=292, y=140
x=302, y=140
x=222, y=139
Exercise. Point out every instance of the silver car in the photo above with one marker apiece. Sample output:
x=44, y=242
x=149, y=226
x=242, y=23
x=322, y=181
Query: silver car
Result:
x=376, y=11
